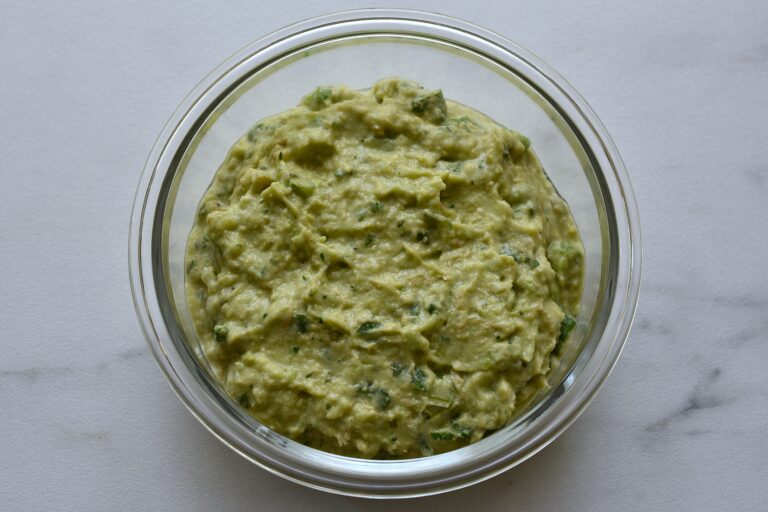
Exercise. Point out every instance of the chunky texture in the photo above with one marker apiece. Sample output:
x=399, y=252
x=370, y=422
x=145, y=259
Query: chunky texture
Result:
x=383, y=273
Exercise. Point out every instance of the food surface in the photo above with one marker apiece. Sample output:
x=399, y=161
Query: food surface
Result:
x=383, y=273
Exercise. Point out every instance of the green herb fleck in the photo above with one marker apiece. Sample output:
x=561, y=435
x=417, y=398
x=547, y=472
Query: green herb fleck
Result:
x=519, y=258
x=295, y=349
x=431, y=106
x=382, y=398
x=367, y=327
x=398, y=369
x=369, y=239
x=419, y=379
x=321, y=97
x=253, y=134
x=566, y=326
x=244, y=400
x=220, y=333
x=302, y=322
x=443, y=435
x=432, y=308
x=377, y=394
x=461, y=431
x=563, y=255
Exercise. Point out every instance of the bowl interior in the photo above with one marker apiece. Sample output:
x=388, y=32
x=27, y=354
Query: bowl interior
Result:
x=358, y=60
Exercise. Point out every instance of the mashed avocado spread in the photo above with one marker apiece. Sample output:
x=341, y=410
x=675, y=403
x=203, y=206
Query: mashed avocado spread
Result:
x=383, y=273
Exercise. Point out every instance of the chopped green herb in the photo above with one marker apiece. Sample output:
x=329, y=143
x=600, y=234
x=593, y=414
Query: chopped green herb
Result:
x=367, y=327
x=244, y=400
x=369, y=239
x=381, y=398
x=566, y=326
x=321, y=97
x=376, y=206
x=253, y=134
x=302, y=322
x=519, y=258
x=563, y=255
x=419, y=379
x=295, y=349
x=377, y=394
x=322, y=256
x=431, y=106
x=398, y=369
x=432, y=308
x=461, y=431
x=220, y=333
x=443, y=435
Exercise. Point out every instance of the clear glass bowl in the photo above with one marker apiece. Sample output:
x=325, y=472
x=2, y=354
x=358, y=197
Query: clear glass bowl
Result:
x=473, y=66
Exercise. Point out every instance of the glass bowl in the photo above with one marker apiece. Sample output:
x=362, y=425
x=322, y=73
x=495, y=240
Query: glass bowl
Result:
x=473, y=66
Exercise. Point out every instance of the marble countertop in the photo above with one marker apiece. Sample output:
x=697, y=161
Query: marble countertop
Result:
x=88, y=421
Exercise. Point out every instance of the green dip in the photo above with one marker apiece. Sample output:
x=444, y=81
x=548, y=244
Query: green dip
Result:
x=383, y=273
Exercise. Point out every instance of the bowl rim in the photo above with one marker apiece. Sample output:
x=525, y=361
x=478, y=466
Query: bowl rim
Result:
x=360, y=477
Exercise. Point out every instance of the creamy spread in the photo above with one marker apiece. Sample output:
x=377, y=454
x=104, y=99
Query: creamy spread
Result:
x=383, y=273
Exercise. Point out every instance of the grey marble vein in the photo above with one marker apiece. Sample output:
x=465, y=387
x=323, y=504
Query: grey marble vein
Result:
x=39, y=372
x=703, y=397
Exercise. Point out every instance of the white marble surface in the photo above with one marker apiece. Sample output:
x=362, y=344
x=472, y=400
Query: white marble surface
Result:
x=88, y=422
